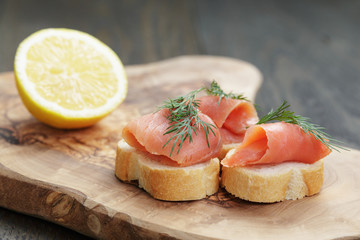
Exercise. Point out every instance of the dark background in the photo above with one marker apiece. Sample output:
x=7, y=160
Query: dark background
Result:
x=308, y=52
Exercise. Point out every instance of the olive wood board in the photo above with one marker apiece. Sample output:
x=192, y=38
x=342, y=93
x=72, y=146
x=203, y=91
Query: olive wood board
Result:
x=67, y=176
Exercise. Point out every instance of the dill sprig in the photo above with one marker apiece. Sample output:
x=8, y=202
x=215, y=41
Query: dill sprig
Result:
x=184, y=120
x=282, y=114
x=215, y=90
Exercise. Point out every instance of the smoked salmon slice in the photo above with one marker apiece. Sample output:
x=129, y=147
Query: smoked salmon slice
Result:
x=275, y=143
x=147, y=134
x=231, y=116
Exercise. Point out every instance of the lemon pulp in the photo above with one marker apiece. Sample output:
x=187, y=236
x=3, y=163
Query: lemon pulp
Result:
x=67, y=78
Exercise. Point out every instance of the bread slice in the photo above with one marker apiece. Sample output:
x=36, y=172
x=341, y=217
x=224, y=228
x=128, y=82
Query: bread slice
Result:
x=273, y=183
x=226, y=148
x=166, y=182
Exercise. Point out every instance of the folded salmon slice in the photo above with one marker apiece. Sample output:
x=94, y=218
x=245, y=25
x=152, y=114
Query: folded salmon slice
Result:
x=275, y=143
x=231, y=116
x=147, y=134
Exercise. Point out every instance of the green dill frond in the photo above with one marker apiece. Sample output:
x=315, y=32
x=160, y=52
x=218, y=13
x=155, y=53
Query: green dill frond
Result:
x=215, y=90
x=284, y=115
x=184, y=120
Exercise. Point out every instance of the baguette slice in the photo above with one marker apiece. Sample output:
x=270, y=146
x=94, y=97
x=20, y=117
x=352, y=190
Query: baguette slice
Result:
x=226, y=148
x=166, y=182
x=273, y=183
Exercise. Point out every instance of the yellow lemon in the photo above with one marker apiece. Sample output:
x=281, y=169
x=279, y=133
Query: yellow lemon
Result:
x=67, y=78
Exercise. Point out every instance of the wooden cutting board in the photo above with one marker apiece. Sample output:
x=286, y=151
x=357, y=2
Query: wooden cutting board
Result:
x=67, y=177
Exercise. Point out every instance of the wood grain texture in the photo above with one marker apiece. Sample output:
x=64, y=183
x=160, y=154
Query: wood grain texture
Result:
x=307, y=51
x=68, y=176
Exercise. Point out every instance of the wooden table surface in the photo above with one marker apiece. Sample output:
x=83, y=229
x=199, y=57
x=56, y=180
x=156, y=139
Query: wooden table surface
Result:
x=308, y=52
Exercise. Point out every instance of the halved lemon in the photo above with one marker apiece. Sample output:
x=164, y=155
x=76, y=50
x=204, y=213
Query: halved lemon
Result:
x=67, y=78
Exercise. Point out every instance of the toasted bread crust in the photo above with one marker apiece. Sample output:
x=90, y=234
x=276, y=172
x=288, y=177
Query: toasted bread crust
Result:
x=166, y=182
x=273, y=183
x=265, y=183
